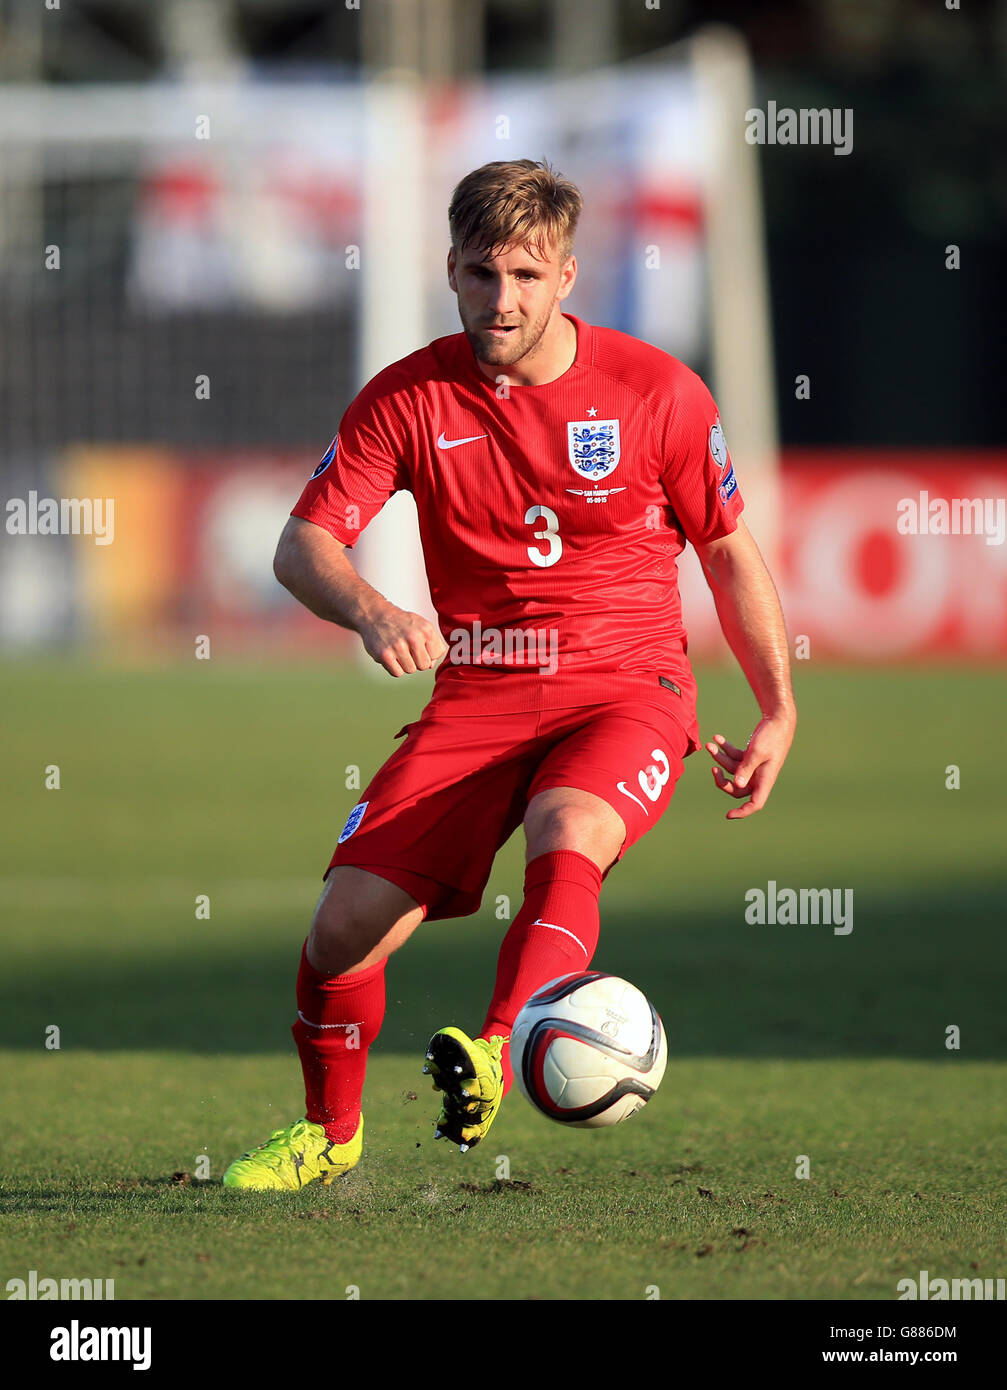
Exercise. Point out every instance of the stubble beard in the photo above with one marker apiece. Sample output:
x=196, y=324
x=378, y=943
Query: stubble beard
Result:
x=508, y=351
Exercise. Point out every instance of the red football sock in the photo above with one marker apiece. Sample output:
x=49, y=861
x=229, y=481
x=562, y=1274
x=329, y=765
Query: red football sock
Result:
x=338, y=1017
x=555, y=932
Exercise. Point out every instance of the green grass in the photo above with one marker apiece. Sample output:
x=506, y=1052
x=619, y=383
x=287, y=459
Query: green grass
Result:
x=784, y=1041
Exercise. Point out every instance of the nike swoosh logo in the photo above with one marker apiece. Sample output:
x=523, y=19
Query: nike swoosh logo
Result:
x=623, y=788
x=443, y=443
x=539, y=923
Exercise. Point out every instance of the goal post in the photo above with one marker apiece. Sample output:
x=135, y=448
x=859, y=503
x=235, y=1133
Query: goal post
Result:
x=658, y=149
x=393, y=320
x=740, y=324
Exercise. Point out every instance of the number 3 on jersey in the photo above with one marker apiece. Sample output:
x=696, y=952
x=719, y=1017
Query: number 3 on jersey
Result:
x=549, y=534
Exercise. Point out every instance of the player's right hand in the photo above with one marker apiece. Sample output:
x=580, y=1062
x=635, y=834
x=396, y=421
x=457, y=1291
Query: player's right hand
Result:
x=402, y=642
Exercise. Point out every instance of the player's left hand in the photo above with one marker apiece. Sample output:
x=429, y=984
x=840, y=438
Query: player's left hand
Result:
x=753, y=771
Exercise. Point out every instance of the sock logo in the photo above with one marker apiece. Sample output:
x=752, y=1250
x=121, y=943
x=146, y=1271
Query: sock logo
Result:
x=552, y=925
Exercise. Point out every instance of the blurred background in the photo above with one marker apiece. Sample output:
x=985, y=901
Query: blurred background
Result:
x=218, y=218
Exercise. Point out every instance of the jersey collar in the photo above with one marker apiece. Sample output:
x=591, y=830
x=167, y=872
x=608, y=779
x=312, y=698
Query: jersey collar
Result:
x=582, y=358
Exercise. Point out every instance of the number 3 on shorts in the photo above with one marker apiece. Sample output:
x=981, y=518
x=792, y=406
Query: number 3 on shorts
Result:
x=653, y=778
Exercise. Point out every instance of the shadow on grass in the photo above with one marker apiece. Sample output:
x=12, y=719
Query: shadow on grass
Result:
x=163, y=1196
x=911, y=968
x=143, y=1195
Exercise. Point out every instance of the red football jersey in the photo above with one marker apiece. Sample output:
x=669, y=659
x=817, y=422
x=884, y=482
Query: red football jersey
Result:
x=550, y=516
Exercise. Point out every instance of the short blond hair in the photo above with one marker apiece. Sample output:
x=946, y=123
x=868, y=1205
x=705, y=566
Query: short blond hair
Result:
x=517, y=202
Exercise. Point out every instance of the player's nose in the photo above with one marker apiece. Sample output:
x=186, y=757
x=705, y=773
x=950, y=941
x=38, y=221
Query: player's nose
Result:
x=501, y=300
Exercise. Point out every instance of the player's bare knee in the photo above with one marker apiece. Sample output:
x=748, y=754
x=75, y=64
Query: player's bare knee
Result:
x=356, y=914
x=580, y=828
x=331, y=924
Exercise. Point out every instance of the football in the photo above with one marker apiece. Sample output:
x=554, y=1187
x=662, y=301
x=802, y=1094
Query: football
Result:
x=588, y=1050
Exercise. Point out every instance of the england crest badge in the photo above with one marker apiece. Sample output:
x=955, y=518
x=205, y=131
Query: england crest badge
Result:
x=593, y=447
x=353, y=820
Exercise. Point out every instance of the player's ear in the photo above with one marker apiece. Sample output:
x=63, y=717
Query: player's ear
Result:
x=452, y=262
x=567, y=278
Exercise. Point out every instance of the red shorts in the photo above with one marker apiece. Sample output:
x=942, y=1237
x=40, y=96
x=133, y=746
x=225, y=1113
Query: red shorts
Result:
x=434, y=816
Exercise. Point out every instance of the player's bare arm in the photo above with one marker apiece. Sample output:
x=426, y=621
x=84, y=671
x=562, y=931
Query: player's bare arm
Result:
x=313, y=566
x=752, y=621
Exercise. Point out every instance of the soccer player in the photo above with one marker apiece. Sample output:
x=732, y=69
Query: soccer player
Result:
x=559, y=469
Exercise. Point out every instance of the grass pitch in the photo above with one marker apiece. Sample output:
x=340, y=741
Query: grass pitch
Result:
x=784, y=1041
